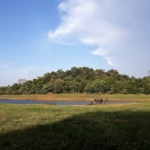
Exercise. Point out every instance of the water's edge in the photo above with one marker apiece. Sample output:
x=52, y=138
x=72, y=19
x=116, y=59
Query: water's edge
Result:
x=57, y=102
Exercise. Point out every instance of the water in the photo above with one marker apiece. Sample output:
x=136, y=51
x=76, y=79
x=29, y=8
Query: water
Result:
x=57, y=102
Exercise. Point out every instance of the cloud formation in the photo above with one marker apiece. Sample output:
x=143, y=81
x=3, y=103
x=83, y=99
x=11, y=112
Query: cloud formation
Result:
x=114, y=27
x=84, y=20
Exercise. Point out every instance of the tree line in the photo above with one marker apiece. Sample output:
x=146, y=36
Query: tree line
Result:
x=80, y=80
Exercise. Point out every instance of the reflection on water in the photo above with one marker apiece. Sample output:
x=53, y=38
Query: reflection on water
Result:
x=57, y=102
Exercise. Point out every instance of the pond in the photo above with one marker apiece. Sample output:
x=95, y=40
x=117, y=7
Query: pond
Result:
x=57, y=102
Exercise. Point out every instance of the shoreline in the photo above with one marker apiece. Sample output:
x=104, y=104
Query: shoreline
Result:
x=113, y=100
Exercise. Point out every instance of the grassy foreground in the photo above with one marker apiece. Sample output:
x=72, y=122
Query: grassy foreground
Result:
x=44, y=127
x=134, y=97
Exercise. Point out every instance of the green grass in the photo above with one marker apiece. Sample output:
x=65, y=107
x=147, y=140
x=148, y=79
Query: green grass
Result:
x=114, y=127
x=133, y=97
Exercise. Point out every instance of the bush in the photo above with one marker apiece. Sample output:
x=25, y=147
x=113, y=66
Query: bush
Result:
x=124, y=91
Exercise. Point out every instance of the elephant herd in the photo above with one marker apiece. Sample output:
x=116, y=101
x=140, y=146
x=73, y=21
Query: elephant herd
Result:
x=91, y=101
x=95, y=101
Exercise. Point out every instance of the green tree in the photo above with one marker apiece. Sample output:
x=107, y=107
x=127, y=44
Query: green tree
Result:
x=48, y=87
x=58, y=85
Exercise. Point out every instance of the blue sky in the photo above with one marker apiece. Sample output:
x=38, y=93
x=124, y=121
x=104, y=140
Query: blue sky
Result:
x=40, y=36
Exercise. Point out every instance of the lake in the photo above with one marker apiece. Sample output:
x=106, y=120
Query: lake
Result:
x=57, y=102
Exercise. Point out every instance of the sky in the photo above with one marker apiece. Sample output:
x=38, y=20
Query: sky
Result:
x=41, y=36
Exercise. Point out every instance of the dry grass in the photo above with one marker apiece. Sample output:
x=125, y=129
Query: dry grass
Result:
x=133, y=97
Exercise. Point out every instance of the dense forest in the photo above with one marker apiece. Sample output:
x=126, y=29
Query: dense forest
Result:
x=80, y=80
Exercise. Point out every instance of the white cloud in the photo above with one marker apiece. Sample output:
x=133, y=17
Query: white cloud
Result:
x=83, y=19
x=100, y=52
x=110, y=25
x=109, y=60
x=103, y=52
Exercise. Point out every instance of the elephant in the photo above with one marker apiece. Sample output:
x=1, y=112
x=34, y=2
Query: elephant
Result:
x=101, y=101
x=91, y=101
x=97, y=101
x=106, y=101
x=94, y=101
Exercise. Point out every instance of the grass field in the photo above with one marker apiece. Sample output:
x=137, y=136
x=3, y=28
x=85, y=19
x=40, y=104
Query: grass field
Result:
x=134, y=97
x=44, y=127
